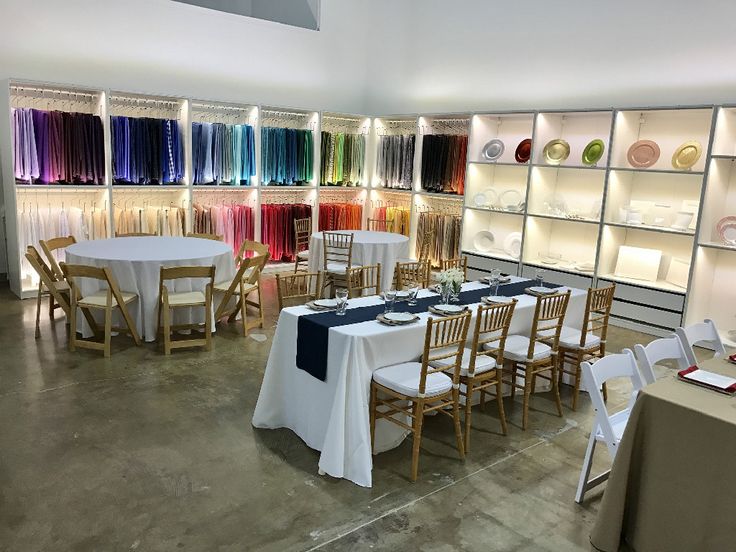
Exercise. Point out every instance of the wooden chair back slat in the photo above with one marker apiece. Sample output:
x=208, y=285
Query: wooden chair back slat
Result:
x=298, y=289
x=445, y=338
x=413, y=274
x=549, y=316
x=204, y=236
x=364, y=279
x=597, y=312
x=337, y=248
x=302, y=232
x=250, y=245
x=133, y=234
x=176, y=272
x=457, y=262
x=491, y=330
x=381, y=225
x=49, y=246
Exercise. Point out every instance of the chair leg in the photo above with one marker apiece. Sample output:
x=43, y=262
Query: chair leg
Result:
x=108, y=331
x=167, y=328
x=418, y=420
x=527, y=397
x=482, y=399
x=513, y=379
x=260, y=306
x=51, y=306
x=208, y=322
x=576, y=390
x=373, y=416
x=468, y=407
x=244, y=315
x=456, y=419
x=556, y=388
x=73, y=327
x=499, y=400
x=38, y=311
x=587, y=466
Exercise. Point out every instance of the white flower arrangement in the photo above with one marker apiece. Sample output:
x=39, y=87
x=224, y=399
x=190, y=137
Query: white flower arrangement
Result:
x=452, y=276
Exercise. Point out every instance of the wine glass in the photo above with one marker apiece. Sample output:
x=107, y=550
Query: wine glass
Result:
x=341, y=296
x=539, y=275
x=389, y=297
x=413, y=291
x=495, y=280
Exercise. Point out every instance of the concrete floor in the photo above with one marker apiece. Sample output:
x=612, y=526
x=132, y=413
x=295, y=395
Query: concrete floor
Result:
x=144, y=452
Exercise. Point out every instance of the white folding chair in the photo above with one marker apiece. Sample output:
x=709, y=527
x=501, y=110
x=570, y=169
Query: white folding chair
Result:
x=666, y=348
x=703, y=332
x=607, y=428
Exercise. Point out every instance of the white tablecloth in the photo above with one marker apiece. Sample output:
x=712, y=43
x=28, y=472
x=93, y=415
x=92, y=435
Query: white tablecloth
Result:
x=369, y=248
x=135, y=263
x=332, y=416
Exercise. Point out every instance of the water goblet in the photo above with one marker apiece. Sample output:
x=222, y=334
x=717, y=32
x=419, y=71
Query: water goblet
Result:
x=539, y=275
x=389, y=297
x=413, y=291
x=341, y=296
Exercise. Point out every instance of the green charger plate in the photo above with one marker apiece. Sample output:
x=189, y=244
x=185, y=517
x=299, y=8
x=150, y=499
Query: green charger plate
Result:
x=593, y=152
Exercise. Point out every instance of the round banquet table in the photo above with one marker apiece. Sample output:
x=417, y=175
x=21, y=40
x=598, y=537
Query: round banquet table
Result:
x=135, y=263
x=369, y=248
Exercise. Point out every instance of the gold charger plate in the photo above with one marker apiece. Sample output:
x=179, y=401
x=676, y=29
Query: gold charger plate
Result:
x=687, y=155
x=556, y=151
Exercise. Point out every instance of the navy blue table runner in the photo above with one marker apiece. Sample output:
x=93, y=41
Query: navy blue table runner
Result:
x=313, y=330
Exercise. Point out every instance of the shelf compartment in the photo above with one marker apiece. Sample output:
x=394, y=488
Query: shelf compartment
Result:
x=560, y=276
x=713, y=294
x=720, y=198
x=580, y=191
x=724, y=138
x=658, y=196
x=669, y=128
x=499, y=178
x=480, y=265
x=649, y=228
x=510, y=128
x=577, y=128
x=500, y=224
x=672, y=247
x=558, y=238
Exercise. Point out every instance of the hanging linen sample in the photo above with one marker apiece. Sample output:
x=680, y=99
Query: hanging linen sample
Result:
x=146, y=151
x=443, y=163
x=445, y=231
x=277, y=228
x=340, y=216
x=395, y=162
x=223, y=154
x=58, y=147
x=400, y=216
x=233, y=222
x=161, y=221
x=287, y=156
x=342, y=159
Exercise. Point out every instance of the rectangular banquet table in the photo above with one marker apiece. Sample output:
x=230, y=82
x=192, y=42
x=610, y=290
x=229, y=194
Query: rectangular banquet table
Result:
x=332, y=416
x=672, y=485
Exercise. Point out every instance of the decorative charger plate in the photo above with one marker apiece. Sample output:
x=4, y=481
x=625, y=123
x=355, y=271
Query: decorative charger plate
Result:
x=523, y=151
x=556, y=151
x=511, y=200
x=726, y=228
x=687, y=155
x=480, y=199
x=643, y=154
x=397, y=318
x=593, y=152
x=493, y=150
x=512, y=244
x=484, y=241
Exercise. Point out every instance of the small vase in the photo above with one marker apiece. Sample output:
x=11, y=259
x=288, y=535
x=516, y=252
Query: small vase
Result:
x=445, y=292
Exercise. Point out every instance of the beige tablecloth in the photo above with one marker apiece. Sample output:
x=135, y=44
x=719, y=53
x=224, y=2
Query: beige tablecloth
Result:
x=673, y=483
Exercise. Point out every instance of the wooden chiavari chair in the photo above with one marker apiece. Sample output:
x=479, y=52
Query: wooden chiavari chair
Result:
x=413, y=273
x=213, y=237
x=258, y=249
x=589, y=345
x=302, y=232
x=415, y=389
x=458, y=262
x=247, y=280
x=168, y=300
x=58, y=290
x=337, y=257
x=482, y=362
x=381, y=225
x=534, y=356
x=298, y=289
x=105, y=299
x=133, y=234
x=54, y=244
x=362, y=279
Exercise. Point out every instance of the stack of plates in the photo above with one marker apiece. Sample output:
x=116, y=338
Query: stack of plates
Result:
x=397, y=318
x=540, y=290
x=447, y=310
x=323, y=304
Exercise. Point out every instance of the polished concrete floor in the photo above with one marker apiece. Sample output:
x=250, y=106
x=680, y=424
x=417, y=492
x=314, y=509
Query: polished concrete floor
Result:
x=147, y=452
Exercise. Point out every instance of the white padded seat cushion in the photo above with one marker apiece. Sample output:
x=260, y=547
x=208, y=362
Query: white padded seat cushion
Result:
x=99, y=299
x=483, y=363
x=187, y=298
x=303, y=254
x=570, y=338
x=517, y=347
x=404, y=378
x=339, y=268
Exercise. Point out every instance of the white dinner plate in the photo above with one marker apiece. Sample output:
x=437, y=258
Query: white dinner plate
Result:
x=399, y=316
x=449, y=308
x=511, y=200
x=512, y=244
x=484, y=240
x=480, y=199
x=542, y=290
x=402, y=294
x=497, y=299
x=326, y=303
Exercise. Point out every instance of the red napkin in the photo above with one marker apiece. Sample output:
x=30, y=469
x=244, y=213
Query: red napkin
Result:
x=686, y=371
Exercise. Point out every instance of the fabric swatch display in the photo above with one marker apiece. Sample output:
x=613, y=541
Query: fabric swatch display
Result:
x=277, y=228
x=234, y=222
x=395, y=162
x=443, y=163
x=146, y=151
x=445, y=230
x=44, y=223
x=161, y=221
x=399, y=215
x=343, y=158
x=223, y=153
x=58, y=147
x=340, y=216
x=287, y=156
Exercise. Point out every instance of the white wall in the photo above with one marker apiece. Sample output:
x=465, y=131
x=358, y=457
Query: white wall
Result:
x=165, y=47
x=436, y=55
